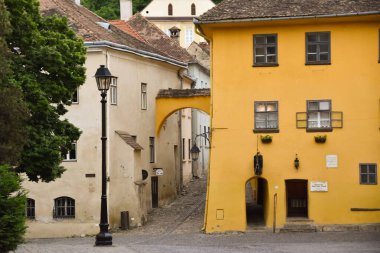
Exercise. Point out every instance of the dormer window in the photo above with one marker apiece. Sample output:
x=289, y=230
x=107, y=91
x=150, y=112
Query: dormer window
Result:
x=170, y=10
x=193, y=10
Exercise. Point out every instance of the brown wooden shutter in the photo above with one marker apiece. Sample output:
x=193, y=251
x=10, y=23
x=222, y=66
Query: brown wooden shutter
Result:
x=301, y=120
x=337, y=119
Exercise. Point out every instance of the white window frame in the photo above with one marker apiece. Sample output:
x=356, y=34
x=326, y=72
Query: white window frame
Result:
x=113, y=91
x=189, y=36
x=317, y=122
x=144, y=96
x=68, y=155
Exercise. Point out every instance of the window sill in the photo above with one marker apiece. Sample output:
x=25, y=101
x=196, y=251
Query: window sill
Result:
x=314, y=130
x=258, y=131
x=318, y=63
x=266, y=65
x=74, y=160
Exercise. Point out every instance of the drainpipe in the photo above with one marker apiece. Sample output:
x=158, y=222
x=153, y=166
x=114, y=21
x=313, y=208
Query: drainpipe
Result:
x=180, y=77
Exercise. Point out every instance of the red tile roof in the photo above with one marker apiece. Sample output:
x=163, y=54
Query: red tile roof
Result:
x=86, y=25
x=259, y=9
x=158, y=39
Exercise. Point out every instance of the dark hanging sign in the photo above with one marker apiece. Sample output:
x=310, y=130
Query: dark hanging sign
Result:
x=258, y=164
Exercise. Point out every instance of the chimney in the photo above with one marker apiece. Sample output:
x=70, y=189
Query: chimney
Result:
x=125, y=9
x=77, y=2
x=174, y=33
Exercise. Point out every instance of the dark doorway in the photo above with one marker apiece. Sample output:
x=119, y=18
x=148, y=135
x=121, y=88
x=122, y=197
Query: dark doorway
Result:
x=154, y=191
x=296, y=198
x=255, y=200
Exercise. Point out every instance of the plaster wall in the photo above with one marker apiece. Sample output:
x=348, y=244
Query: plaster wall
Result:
x=181, y=8
x=126, y=190
x=350, y=81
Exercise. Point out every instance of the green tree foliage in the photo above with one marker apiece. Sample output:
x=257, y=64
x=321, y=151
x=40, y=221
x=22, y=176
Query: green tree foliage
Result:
x=13, y=112
x=12, y=209
x=110, y=9
x=46, y=63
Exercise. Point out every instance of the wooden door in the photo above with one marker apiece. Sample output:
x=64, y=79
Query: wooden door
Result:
x=154, y=180
x=296, y=198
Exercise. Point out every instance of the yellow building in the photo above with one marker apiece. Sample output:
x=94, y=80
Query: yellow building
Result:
x=306, y=73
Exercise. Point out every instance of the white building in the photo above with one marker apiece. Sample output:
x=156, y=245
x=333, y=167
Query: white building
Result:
x=200, y=71
x=177, y=13
x=71, y=204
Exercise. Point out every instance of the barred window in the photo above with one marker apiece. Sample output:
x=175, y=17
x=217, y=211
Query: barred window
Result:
x=266, y=115
x=265, y=50
x=319, y=114
x=30, y=208
x=318, y=48
x=368, y=173
x=64, y=207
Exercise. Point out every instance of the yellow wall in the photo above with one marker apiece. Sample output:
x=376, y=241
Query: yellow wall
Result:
x=352, y=82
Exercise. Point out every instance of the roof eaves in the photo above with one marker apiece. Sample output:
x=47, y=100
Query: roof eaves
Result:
x=108, y=44
x=242, y=20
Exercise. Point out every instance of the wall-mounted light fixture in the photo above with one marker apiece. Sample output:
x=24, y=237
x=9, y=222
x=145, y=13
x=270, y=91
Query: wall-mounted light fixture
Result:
x=296, y=162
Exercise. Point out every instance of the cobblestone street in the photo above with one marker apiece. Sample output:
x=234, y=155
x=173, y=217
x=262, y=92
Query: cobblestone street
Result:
x=177, y=228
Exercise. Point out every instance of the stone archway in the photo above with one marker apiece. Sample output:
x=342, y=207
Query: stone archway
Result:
x=172, y=100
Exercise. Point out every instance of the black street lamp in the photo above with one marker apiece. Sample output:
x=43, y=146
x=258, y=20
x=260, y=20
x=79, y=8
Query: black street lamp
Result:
x=194, y=151
x=103, y=79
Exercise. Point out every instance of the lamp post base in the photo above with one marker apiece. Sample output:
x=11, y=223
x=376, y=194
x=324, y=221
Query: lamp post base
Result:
x=103, y=239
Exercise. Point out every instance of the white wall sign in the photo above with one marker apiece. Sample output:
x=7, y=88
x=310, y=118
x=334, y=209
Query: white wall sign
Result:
x=331, y=161
x=318, y=186
x=159, y=172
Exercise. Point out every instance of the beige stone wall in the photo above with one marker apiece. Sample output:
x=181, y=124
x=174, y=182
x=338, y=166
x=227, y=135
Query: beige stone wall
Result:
x=126, y=190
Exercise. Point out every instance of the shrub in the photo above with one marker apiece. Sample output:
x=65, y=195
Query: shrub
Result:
x=12, y=210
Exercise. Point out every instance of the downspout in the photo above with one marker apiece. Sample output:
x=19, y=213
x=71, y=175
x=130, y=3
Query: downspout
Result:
x=180, y=77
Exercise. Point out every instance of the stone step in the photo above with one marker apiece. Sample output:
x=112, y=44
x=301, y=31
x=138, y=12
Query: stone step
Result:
x=295, y=225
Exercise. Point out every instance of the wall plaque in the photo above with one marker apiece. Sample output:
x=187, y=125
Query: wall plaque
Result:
x=318, y=186
x=331, y=161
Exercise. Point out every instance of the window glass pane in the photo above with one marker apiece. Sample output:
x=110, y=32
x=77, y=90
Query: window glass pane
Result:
x=271, y=39
x=272, y=116
x=260, y=124
x=371, y=168
x=271, y=50
x=372, y=178
x=313, y=106
x=271, y=59
x=261, y=117
x=311, y=38
x=363, y=178
x=271, y=107
x=324, y=48
x=363, y=169
x=260, y=39
x=311, y=57
x=260, y=51
x=324, y=37
x=260, y=59
x=324, y=57
x=272, y=124
x=260, y=107
x=324, y=105
x=312, y=48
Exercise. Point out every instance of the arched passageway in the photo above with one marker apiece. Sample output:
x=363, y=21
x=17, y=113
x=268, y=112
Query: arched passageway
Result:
x=256, y=194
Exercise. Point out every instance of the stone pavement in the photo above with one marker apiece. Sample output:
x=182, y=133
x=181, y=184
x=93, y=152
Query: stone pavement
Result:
x=176, y=228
